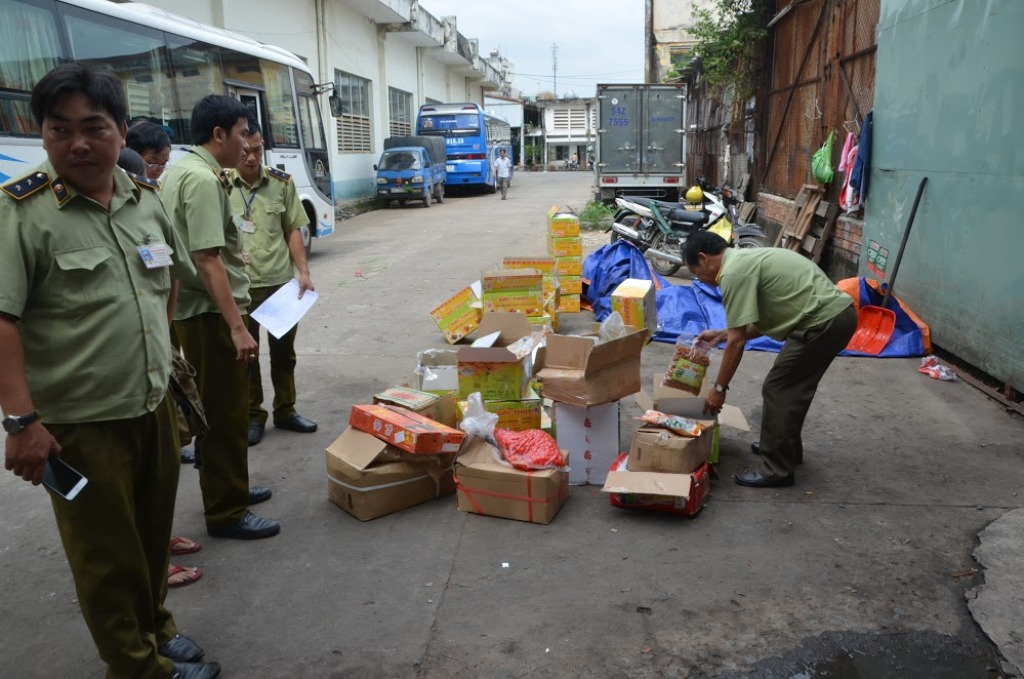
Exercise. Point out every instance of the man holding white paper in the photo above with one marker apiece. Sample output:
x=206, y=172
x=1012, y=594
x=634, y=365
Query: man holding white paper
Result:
x=272, y=219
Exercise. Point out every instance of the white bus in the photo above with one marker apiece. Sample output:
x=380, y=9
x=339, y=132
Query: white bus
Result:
x=167, y=63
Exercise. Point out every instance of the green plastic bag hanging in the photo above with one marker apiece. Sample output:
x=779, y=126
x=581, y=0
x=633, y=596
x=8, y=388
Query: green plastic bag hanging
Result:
x=821, y=161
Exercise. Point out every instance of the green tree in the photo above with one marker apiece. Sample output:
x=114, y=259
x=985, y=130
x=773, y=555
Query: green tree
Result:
x=729, y=38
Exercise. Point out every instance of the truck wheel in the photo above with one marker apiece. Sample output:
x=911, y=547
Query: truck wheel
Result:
x=426, y=198
x=440, y=193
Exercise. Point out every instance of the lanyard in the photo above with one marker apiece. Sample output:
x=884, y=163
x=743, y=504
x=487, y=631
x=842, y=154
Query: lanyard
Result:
x=248, y=202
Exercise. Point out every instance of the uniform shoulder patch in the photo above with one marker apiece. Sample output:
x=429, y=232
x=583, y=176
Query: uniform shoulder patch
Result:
x=145, y=181
x=22, y=188
x=278, y=174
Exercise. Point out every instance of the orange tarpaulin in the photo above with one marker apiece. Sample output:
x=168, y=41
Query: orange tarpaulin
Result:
x=851, y=286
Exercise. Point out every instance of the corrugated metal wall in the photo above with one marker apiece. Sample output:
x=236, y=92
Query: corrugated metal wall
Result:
x=949, y=98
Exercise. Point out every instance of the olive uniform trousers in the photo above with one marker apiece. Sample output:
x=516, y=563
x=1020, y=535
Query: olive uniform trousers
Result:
x=117, y=531
x=282, y=366
x=791, y=384
x=222, y=454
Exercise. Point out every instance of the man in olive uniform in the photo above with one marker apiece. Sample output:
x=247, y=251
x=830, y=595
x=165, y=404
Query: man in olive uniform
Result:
x=85, y=373
x=272, y=219
x=208, y=319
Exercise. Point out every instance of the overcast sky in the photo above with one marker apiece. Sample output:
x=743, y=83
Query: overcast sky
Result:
x=598, y=42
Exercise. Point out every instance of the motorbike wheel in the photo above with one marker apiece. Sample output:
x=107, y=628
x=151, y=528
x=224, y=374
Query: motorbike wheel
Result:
x=662, y=266
x=614, y=237
x=753, y=242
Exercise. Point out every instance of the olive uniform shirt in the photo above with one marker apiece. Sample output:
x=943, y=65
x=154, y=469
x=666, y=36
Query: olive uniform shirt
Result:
x=777, y=290
x=273, y=208
x=195, y=194
x=93, y=318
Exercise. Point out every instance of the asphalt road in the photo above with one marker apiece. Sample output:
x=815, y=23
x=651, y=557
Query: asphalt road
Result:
x=858, y=570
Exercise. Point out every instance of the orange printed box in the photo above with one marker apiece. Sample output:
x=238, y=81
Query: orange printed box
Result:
x=405, y=429
x=569, y=266
x=512, y=280
x=571, y=246
x=546, y=265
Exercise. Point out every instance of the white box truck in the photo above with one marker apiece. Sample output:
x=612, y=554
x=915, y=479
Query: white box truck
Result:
x=641, y=141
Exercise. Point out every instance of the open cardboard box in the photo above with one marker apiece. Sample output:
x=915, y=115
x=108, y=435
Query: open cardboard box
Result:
x=492, y=489
x=682, y=494
x=656, y=449
x=368, y=478
x=580, y=372
x=437, y=371
x=438, y=407
x=678, y=402
x=489, y=367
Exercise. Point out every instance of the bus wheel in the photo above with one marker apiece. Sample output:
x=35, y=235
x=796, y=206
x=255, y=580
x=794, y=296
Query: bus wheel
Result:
x=307, y=240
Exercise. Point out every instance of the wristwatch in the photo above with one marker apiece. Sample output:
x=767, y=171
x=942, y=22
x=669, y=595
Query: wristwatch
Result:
x=15, y=424
x=721, y=389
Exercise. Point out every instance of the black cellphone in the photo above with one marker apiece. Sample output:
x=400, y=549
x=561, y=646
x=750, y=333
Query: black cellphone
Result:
x=63, y=479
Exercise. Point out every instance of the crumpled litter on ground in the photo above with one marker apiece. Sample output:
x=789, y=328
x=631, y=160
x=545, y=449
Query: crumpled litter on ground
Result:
x=931, y=367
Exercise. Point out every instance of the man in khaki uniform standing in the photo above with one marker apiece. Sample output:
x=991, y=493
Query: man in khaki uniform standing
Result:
x=85, y=373
x=272, y=219
x=209, y=320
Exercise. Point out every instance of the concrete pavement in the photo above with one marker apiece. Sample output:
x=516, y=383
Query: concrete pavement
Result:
x=861, y=569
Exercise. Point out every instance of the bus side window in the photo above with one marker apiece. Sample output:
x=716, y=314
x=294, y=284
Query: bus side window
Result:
x=29, y=48
x=135, y=54
x=197, y=73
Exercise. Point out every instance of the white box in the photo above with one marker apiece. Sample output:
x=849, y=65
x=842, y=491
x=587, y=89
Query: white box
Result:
x=591, y=435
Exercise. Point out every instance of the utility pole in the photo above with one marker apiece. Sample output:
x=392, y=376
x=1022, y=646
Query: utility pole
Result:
x=554, y=66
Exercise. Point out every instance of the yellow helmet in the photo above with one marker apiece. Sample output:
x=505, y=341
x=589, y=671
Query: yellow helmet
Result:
x=694, y=195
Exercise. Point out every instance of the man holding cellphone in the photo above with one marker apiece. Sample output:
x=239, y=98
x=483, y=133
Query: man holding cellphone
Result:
x=85, y=374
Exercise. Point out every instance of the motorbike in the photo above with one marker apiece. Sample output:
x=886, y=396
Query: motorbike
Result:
x=571, y=164
x=659, y=229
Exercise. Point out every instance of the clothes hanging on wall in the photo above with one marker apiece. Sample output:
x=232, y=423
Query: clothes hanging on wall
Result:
x=862, y=167
x=847, y=145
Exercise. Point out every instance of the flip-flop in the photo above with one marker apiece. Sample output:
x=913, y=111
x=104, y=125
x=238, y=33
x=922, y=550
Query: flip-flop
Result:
x=184, y=545
x=191, y=575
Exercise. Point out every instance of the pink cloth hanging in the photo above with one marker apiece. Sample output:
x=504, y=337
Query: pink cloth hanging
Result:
x=850, y=141
x=849, y=199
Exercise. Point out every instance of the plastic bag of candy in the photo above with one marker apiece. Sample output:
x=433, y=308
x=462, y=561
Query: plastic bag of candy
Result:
x=674, y=423
x=931, y=367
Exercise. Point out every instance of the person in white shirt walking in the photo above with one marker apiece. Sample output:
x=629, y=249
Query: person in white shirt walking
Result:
x=503, y=170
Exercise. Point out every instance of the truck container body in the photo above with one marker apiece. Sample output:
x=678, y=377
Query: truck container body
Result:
x=641, y=141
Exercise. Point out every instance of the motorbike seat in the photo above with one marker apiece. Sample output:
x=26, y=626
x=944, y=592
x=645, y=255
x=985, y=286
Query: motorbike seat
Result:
x=687, y=216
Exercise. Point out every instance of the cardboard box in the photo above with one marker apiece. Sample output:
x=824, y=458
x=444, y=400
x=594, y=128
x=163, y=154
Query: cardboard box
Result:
x=591, y=435
x=437, y=371
x=569, y=303
x=440, y=408
x=494, y=371
x=678, y=402
x=570, y=285
x=684, y=494
x=633, y=298
x=527, y=302
x=570, y=246
x=457, y=316
x=506, y=280
x=569, y=266
x=405, y=429
x=368, y=478
x=563, y=224
x=546, y=265
x=486, y=487
x=514, y=415
x=656, y=449
x=580, y=372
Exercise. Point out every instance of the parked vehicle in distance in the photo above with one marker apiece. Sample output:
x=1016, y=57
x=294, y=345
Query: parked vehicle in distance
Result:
x=411, y=168
x=641, y=141
x=473, y=138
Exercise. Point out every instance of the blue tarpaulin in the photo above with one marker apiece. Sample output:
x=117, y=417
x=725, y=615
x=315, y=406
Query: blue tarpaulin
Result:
x=692, y=308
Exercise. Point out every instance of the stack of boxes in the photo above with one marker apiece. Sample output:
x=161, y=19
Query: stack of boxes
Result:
x=549, y=286
x=515, y=290
x=566, y=246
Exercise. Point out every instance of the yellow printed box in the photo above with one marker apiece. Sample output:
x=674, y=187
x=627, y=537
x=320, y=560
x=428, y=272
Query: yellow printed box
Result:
x=569, y=303
x=571, y=285
x=564, y=224
x=633, y=298
x=456, y=317
x=548, y=320
x=517, y=415
x=571, y=246
x=569, y=266
x=550, y=285
x=506, y=280
x=529, y=303
x=546, y=265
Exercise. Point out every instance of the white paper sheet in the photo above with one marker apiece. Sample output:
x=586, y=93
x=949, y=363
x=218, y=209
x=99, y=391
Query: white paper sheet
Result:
x=283, y=310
